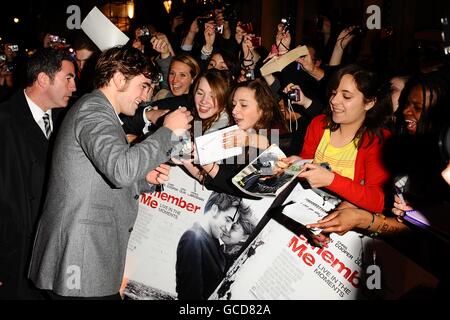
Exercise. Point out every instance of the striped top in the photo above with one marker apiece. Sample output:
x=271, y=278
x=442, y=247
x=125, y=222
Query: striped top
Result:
x=342, y=160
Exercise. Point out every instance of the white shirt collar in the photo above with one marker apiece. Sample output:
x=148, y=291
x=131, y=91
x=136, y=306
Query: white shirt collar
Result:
x=121, y=122
x=37, y=112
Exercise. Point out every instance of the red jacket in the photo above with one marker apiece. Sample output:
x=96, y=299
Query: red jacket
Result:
x=366, y=190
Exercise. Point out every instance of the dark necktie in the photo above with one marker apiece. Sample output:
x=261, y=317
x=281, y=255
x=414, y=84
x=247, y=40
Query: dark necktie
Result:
x=48, y=129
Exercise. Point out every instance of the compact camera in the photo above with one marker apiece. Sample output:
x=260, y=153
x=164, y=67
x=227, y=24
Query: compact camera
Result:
x=294, y=95
x=286, y=22
x=14, y=47
x=250, y=74
x=144, y=32
x=218, y=29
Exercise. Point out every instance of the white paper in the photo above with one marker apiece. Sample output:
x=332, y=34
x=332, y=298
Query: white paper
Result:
x=102, y=31
x=210, y=147
x=310, y=206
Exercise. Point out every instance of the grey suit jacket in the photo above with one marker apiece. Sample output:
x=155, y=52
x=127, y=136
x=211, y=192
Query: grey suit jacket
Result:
x=92, y=203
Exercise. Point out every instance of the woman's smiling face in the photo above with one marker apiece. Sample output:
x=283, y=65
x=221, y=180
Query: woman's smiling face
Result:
x=205, y=100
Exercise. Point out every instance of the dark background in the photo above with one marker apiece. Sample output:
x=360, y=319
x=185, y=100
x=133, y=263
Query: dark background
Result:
x=410, y=19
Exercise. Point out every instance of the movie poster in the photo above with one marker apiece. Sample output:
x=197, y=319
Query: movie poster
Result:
x=163, y=218
x=281, y=264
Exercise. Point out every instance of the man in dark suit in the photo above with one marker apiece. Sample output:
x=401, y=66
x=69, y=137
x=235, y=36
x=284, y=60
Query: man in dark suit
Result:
x=201, y=263
x=96, y=179
x=27, y=125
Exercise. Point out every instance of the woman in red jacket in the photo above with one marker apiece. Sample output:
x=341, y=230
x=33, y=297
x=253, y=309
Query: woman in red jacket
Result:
x=349, y=138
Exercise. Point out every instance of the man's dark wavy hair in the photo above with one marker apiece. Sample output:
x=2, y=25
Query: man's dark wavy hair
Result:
x=127, y=60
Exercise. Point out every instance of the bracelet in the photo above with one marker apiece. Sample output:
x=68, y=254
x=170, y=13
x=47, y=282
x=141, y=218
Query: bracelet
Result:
x=371, y=222
x=379, y=231
x=206, y=52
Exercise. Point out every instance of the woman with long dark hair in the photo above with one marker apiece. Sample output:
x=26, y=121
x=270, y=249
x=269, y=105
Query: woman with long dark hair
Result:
x=349, y=137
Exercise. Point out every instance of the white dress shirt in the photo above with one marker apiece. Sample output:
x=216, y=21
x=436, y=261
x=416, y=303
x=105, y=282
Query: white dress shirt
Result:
x=38, y=113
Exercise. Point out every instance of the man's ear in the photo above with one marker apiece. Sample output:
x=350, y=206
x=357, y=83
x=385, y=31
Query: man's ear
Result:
x=43, y=80
x=119, y=80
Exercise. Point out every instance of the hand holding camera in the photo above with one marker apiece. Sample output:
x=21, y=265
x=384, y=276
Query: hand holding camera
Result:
x=283, y=41
x=293, y=93
x=161, y=44
x=285, y=24
x=210, y=33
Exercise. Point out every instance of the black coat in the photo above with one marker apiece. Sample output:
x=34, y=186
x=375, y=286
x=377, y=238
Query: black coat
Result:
x=24, y=163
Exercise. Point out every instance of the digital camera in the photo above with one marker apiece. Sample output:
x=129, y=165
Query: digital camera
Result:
x=143, y=32
x=286, y=22
x=218, y=29
x=250, y=74
x=294, y=95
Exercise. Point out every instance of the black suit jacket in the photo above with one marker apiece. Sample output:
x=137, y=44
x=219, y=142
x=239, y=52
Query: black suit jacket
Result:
x=24, y=162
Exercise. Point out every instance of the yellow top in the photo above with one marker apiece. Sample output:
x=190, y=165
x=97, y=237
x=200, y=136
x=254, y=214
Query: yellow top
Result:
x=342, y=160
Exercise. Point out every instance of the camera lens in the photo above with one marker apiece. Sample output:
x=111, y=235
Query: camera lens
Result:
x=293, y=95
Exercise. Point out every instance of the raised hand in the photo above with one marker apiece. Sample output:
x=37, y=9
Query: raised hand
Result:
x=178, y=121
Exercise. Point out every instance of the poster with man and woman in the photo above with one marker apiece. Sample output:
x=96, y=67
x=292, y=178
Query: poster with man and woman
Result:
x=185, y=238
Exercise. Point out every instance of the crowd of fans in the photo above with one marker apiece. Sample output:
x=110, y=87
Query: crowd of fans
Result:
x=372, y=129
